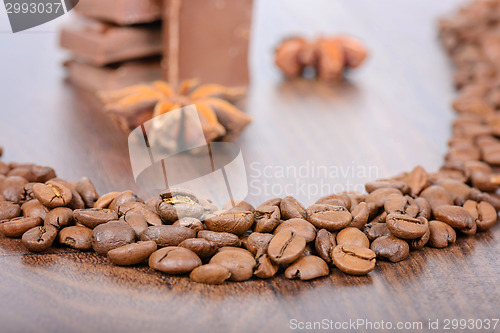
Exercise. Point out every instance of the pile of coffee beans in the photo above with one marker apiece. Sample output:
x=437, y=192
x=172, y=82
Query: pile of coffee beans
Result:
x=179, y=233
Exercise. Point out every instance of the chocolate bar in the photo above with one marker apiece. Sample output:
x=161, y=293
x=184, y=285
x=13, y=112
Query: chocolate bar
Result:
x=121, y=12
x=207, y=39
x=101, y=44
x=93, y=78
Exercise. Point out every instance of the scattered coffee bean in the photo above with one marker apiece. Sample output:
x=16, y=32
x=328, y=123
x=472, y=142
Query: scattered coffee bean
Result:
x=34, y=208
x=9, y=210
x=286, y=247
x=76, y=237
x=174, y=260
x=307, y=268
x=110, y=235
x=300, y=227
x=324, y=245
x=329, y=217
x=265, y=268
x=122, y=198
x=236, y=222
x=376, y=230
x=457, y=217
x=484, y=214
x=437, y=196
x=401, y=186
x=202, y=247
x=92, y=217
x=342, y=199
x=390, y=248
x=136, y=221
x=417, y=180
x=378, y=197
x=105, y=200
x=175, y=205
x=167, y=235
x=17, y=226
x=59, y=217
x=290, y=208
x=132, y=254
x=352, y=259
x=352, y=236
x=221, y=239
x=258, y=242
x=87, y=191
x=52, y=194
x=210, y=274
x=267, y=218
x=406, y=227
x=441, y=235
x=138, y=207
x=190, y=222
x=76, y=200
x=360, y=215
x=40, y=238
x=13, y=188
x=238, y=261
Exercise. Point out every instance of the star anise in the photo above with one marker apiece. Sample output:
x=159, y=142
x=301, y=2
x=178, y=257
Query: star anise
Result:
x=328, y=56
x=220, y=118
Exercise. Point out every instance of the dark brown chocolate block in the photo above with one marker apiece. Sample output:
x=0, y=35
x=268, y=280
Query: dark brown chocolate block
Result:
x=102, y=44
x=94, y=78
x=121, y=12
x=207, y=39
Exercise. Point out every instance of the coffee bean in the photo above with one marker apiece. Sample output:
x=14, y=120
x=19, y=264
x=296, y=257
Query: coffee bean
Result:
x=33, y=173
x=376, y=230
x=17, y=226
x=329, y=217
x=87, y=191
x=258, y=242
x=286, y=247
x=92, y=217
x=459, y=191
x=424, y=208
x=401, y=186
x=378, y=197
x=399, y=204
x=132, y=254
x=40, y=238
x=167, y=235
x=437, y=196
x=221, y=239
x=419, y=243
x=28, y=192
x=136, y=221
x=13, y=188
x=457, y=217
x=174, y=260
x=228, y=221
x=52, y=194
x=381, y=218
x=441, y=235
x=122, y=198
x=204, y=248
x=390, y=248
x=352, y=236
x=352, y=259
x=238, y=261
x=9, y=210
x=271, y=202
x=307, y=268
x=342, y=199
x=105, y=200
x=290, y=208
x=240, y=206
x=360, y=215
x=265, y=268
x=406, y=227
x=417, y=180
x=110, y=235
x=267, y=218
x=175, y=205
x=190, y=222
x=210, y=274
x=138, y=207
x=76, y=237
x=324, y=245
x=76, y=200
x=300, y=227
x=59, y=217
x=34, y=208
x=484, y=214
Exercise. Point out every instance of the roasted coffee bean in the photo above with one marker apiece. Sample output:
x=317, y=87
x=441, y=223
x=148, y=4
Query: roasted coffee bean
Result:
x=290, y=208
x=399, y=204
x=221, y=239
x=227, y=221
x=240, y=206
x=265, y=268
x=136, y=221
x=59, y=217
x=76, y=200
x=406, y=227
x=352, y=259
x=437, y=196
x=381, y=218
x=9, y=210
x=110, y=235
x=138, y=207
x=417, y=180
x=352, y=236
x=459, y=191
x=33, y=173
x=324, y=245
x=122, y=198
x=210, y=274
x=258, y=242
x=484, y=214
x=419, y=243
x=267, y=218
x=34, y=208
x=356, y=198
x=174, y=260
x=286, y=247
x=238, y=261
x=483, y=181
x=378, y=197
x=13, y=188
x=441, y=235
x=76, y=237
x=190, y=222
x=201, y=246
x=376, y=230
x=382, y=184
x=105, y=200
x=17, y=226
x=342, y=199
x=457, y=217
x=92, y=217
x=132, y=254
x=272, y=202
x=328, y=217
x=28, y=192
x=175, y=205
x=40, y=238
x=300, y=227
x=390, y=248
x=167, y=235
x=52, y=194
x=424, y=207
x=87, y=191
x=307, y=268
x=360, y=215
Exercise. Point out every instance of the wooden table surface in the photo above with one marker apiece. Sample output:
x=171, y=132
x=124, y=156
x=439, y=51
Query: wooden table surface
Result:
x=392, y=114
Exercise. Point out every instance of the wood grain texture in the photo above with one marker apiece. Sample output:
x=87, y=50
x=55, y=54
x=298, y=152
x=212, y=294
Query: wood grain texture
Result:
x=393, y=113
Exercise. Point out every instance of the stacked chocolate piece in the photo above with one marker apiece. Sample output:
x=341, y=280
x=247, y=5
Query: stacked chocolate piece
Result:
x=114, y=43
